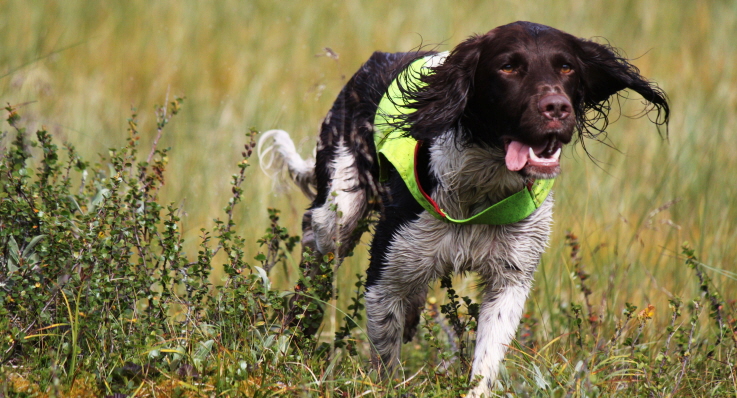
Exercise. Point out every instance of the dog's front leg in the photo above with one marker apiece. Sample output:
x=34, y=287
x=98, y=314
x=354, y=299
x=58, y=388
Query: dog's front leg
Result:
x=385, y=313
x=499, y=317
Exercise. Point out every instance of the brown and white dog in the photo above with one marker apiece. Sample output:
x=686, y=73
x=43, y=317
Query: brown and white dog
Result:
x=491, y=117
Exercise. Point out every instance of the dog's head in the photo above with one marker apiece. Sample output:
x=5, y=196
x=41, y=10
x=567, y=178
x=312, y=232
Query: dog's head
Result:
x=526, y=88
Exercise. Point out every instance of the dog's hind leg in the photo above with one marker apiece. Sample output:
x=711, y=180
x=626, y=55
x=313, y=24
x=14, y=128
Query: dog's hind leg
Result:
x=330, y=225
x=334, y=221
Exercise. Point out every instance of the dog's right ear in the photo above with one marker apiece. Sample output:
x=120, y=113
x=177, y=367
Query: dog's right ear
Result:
x=440, y=104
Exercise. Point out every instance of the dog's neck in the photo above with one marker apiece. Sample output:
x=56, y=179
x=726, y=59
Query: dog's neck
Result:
x=470, y=178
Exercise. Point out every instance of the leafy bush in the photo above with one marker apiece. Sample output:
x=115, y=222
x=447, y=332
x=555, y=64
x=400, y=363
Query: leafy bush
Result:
x=96, y=282
x=98, y=297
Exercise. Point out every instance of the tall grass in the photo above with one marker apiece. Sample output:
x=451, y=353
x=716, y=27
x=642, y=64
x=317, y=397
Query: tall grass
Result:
x=78, y=68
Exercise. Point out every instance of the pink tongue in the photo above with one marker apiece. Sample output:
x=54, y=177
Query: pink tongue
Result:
x=517, y=155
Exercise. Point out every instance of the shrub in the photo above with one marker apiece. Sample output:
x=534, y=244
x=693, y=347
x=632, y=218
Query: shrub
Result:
x=95, y=280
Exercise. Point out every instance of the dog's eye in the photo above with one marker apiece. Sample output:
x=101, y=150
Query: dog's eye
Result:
x=508, y=68
x=566, y=69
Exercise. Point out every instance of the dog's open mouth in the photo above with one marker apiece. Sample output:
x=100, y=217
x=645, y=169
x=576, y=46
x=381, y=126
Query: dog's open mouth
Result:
x=541, y=160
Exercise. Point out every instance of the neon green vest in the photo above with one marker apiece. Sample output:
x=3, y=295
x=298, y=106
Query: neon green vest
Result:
x=394, y=146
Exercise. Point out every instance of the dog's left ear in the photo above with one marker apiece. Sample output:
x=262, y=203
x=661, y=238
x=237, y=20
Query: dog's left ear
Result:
x=440, y=103
x=605, y=73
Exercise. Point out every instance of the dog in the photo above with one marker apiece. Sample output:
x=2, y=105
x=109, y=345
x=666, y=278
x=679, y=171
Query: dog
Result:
x=434, y=143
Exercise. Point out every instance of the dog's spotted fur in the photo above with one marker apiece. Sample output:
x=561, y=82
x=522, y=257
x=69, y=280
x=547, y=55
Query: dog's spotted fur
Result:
x=513, y=87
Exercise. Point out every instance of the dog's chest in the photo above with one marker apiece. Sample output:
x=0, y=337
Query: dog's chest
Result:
x=428, y=245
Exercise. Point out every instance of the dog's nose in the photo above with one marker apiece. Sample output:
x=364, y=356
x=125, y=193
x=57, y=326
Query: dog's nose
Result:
x=554, y=106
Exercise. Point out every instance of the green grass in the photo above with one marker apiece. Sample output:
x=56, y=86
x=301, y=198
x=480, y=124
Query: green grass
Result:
x=78, y=67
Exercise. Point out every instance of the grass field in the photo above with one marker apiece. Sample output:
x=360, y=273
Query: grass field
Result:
x=78, y=68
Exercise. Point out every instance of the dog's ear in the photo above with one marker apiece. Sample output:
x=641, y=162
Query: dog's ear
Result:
x=605, y=73
x=440, y=103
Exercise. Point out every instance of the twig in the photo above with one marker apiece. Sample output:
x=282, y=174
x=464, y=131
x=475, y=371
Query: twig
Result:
x=159, y=127
x=687, y=354
x=236, y=198
x=676, y=304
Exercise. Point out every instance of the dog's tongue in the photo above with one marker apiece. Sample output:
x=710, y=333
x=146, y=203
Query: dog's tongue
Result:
x=517, y=155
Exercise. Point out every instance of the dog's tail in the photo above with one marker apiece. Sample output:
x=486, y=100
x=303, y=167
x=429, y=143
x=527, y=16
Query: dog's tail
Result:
x=275, y=150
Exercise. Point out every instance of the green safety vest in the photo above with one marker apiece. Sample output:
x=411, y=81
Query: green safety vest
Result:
x=394, y=146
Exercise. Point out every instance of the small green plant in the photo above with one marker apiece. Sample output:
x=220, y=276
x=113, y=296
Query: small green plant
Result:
x=462, y=324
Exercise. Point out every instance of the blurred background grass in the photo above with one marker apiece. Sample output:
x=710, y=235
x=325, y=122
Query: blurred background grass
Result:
x=79, y=67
